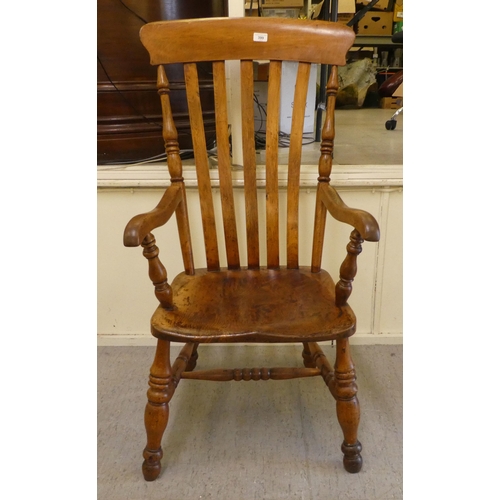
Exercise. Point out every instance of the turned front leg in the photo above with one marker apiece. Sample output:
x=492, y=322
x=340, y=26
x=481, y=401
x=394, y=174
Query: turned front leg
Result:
x=348, y=413
x=161, y=390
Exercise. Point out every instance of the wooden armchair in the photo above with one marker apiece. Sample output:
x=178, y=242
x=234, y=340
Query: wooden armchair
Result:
x=249, y=299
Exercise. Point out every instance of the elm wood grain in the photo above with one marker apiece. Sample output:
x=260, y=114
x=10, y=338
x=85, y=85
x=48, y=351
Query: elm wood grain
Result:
x=224, y=161
x=141, y=225
x=217, y=40
x=157, y=272
x=249, y=161
x=348, y=269
x=202, y=168
x=348, y=413
x=247, y=374
x=283, y=301
x=191, y=364
x=163, y=381
x=324, y=168
x=249, y=305
x=360, y=220
x=295, y=156
x=185, y=361
x=341, y=381
x=174, y=163
x=160, y=392
x=272, y=141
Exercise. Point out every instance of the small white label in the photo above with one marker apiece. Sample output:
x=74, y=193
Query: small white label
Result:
x=260, y=37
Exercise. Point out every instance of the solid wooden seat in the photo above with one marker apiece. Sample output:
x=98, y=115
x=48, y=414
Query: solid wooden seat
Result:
x=249, y=295
x=265, y=305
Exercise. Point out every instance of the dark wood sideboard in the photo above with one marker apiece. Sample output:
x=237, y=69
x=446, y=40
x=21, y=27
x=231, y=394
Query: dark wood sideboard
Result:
x=128, y=106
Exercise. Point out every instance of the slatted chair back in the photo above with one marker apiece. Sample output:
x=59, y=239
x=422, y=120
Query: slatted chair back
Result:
x=247, y=40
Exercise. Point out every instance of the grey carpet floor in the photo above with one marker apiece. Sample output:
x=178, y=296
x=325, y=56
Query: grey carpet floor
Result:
x=250, y=440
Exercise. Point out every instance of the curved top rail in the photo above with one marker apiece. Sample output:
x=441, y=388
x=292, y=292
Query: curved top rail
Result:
x=217, y=39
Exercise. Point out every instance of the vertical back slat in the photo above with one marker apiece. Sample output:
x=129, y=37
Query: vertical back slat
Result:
x=202, y=168
x=249, y=166
x=224, y=158
x=295, y=156
x=272, y=140
x=324, y=168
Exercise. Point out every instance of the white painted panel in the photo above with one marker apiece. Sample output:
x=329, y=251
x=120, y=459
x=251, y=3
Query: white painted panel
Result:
x=391, y=299
x=125, y=295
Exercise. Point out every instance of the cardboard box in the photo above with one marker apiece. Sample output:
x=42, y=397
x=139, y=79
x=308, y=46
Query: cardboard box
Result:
x=344, y=18
x=380, y=5
x=281, y=4
x=376, y=23
x=391, y=102
x=398, y=13
x=251, y=8
x=346, y=11
x=346, y=7
x=288, y=13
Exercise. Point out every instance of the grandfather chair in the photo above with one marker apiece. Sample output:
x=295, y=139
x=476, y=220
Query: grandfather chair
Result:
x=249, y=295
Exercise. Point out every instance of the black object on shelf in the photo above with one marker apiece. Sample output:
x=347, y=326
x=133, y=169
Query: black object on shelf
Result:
x=361, y=13
x=330, y=13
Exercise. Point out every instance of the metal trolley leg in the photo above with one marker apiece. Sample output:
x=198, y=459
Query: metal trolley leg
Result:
x=391, y=123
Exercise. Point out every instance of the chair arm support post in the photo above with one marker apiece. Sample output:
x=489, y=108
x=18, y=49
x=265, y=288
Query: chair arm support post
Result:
x=157, y=272
x=348, y=269
x=141, y=225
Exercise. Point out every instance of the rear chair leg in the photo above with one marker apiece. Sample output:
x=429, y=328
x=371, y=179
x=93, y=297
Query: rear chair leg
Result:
x=345, y=390
x=161, y=390
x=308, y=357
x=191, y=364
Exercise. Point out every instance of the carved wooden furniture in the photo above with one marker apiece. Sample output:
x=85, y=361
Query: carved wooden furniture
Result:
x=245, y=296
x=129, y=123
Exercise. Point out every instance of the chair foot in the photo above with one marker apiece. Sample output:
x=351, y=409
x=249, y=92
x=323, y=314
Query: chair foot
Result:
x=353, y=461
x=151, y=467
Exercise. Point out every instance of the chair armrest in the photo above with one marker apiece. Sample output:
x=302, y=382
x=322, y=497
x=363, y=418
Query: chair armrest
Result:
x=362, y=221
x=141, y=225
